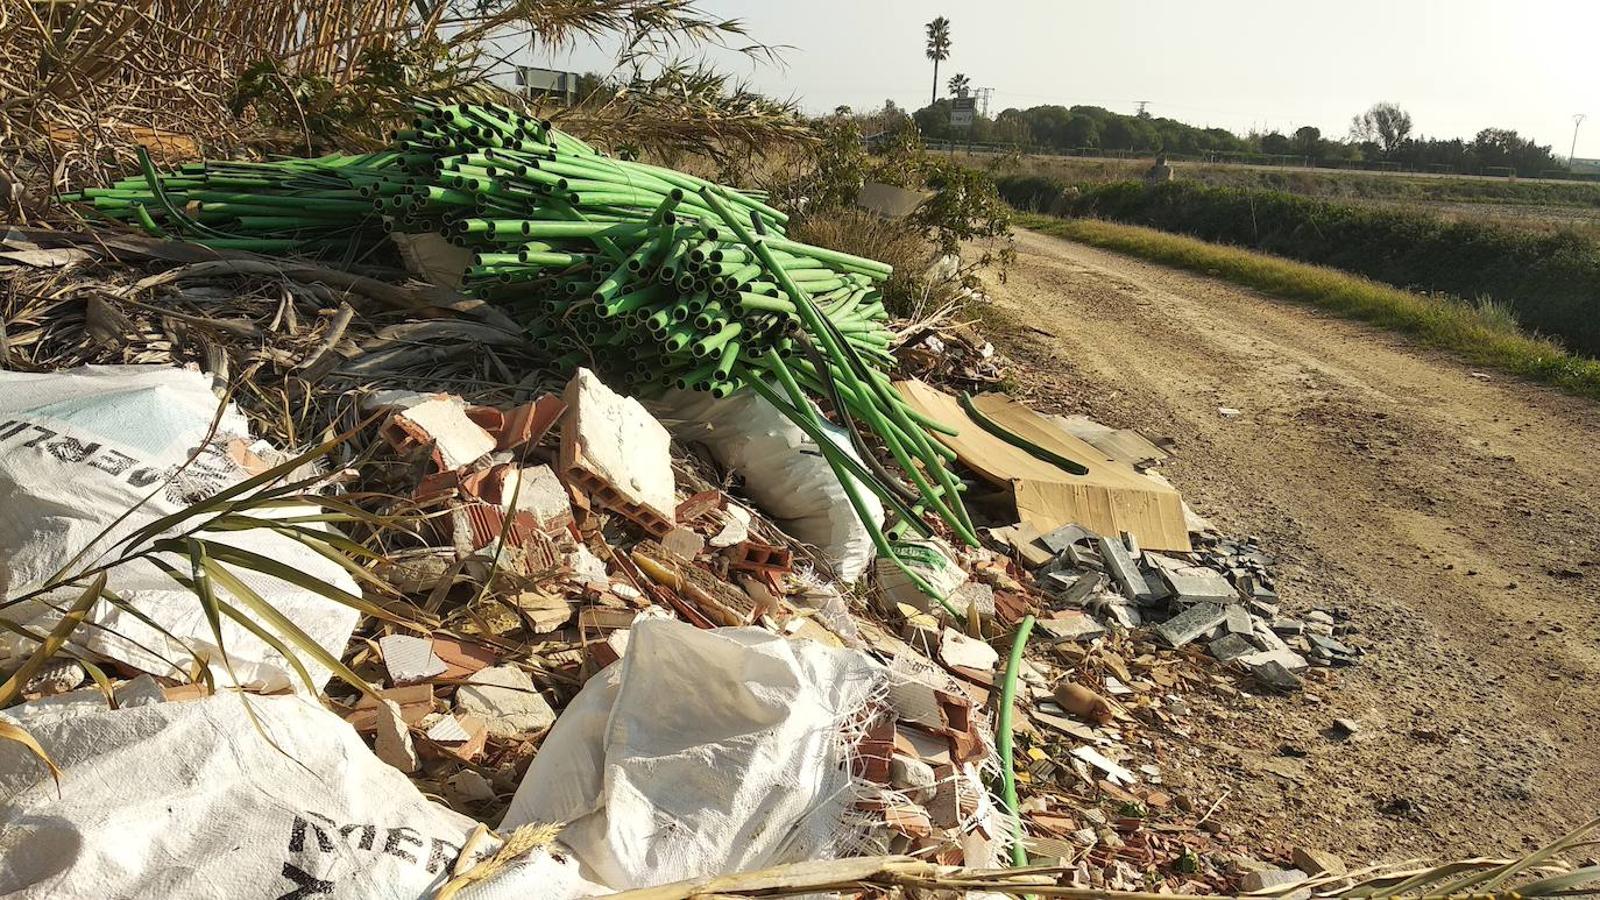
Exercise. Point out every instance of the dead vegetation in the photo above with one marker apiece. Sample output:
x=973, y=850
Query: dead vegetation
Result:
x=88, y=81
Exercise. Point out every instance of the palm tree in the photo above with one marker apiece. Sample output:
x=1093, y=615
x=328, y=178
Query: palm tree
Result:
x=938, y=49
x=959, y=84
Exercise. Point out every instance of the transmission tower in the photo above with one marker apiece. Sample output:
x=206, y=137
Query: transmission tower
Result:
x=1141, y=104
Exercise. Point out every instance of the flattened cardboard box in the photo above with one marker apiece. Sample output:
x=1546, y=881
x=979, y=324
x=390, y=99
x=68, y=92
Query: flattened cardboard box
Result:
x=1110, y=499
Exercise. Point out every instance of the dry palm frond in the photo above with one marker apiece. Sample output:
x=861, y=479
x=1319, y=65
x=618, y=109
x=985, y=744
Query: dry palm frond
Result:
x=1480, y=879
x=84, y=81
x=687, y=110
x=519, y=843
x=265, y=321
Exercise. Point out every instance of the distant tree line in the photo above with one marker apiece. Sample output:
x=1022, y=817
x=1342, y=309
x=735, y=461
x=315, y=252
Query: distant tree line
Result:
x=1382, y=134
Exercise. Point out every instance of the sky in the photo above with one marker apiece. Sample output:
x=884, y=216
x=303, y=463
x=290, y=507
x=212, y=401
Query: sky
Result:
x=1456, y=65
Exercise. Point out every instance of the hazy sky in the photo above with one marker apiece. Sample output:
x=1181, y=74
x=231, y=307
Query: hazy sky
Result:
x=1456, y=65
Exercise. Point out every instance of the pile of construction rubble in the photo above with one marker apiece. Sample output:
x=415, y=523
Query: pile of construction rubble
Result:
x=543, y=610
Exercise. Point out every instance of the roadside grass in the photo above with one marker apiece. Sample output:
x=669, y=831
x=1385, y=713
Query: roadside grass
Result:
x=1483, y=334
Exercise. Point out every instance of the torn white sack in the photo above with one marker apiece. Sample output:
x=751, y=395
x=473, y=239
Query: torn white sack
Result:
x=80, y=448
x=190, y=800
x=783, y=471
x=704, y=752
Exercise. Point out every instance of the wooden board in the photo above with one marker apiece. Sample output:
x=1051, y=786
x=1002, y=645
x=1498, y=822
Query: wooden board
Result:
x=1110, y=499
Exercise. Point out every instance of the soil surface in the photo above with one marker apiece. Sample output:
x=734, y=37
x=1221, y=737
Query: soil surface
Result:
x=1455, y=517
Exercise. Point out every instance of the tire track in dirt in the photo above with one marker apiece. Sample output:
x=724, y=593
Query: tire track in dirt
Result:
x=1457, y=518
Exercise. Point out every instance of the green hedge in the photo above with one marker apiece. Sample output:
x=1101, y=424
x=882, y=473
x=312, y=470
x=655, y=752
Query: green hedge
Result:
x=1551, y=282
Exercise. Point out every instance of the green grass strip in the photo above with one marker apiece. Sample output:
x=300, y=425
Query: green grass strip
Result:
x=1481, y=336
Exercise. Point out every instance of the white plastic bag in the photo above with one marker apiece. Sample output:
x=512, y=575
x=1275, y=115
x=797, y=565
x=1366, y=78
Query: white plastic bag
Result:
x=190, y=800
x=703, y=752
x=80, y=448
x=783, y=471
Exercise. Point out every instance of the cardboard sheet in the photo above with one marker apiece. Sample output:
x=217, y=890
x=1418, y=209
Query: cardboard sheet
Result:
x=1120, y=444
x=1110, y=499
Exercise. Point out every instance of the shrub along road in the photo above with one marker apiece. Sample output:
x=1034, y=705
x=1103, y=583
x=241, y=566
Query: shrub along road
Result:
x=1457, y=518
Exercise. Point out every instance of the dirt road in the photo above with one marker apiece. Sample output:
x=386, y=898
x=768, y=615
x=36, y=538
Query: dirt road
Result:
x=1457, y=518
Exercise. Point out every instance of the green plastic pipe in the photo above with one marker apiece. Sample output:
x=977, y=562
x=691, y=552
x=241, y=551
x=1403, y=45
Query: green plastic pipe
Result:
x=1003, y=741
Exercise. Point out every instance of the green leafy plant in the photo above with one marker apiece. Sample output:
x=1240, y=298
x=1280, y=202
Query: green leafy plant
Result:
x=962, y=212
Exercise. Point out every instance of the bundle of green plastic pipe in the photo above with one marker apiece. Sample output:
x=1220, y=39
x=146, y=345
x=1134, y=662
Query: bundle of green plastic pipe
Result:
x=654, y=277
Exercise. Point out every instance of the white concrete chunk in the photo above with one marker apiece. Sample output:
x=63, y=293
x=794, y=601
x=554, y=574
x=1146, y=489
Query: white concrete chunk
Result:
x=540, y=493
x=1289, y=659
x=956, y=649
x=736, y=530
x=505, y=698
x=467, y=786
x=586, y=567
x=394, y=745
x=616, y=440
x=457, y=439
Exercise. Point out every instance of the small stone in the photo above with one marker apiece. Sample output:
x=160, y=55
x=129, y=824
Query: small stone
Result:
x=1270, y=878
x=1317, y=862
x=585, y=566
x=56, y=677
x=505, y=698
x=393, y=744
x=141, y=691
x=1289, y=659
x=683, y=542
x=1071, y=625
x=1238, y=621
x=1329, y=646
x=545, y=612
x=913, y=776
x=1346, y=727
x=467, y=786
x=1263, y=608
x=735, y=531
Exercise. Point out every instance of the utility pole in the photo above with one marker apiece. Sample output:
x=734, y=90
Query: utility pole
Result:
x=983, y=97
x=1577, y=120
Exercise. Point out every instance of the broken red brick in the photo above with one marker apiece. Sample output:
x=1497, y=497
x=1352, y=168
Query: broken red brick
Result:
x=871, y=760
x=699, y=505
x=528, y=423
x=415, y=702
x=487, y=417
x=462, y=658
x=908, y=819
x=488, y=485
x=754, y=556
x=437, y=484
